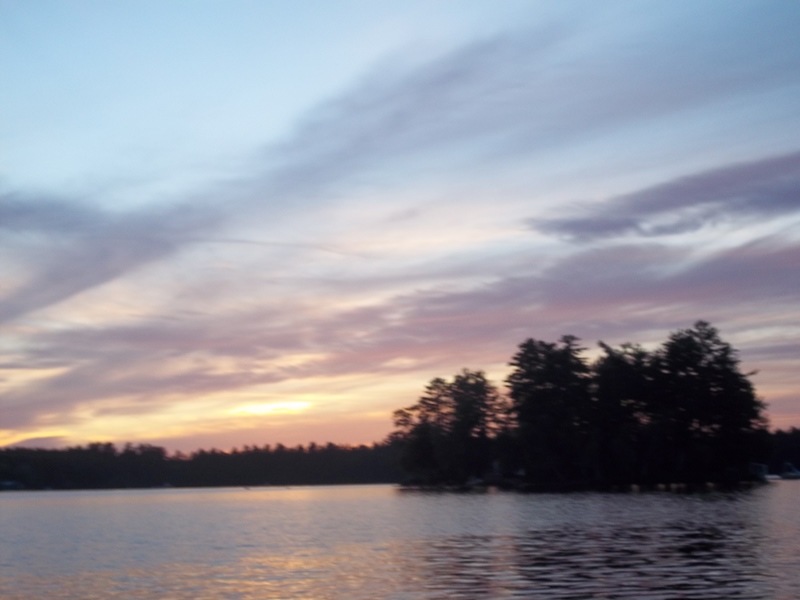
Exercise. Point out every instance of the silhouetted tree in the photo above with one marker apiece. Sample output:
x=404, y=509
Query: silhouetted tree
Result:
x=620, y=419
x=705, y=407
x=549, y=389
x=446, y=436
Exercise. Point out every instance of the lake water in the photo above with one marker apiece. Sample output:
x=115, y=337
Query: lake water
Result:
x=356, y=542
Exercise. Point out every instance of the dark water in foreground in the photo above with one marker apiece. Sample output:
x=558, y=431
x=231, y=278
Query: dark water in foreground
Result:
x=378, y=542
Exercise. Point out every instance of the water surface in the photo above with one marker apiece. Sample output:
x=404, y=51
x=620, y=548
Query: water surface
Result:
x=379, y=542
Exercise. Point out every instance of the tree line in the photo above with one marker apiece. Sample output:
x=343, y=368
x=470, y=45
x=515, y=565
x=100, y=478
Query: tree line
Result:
x=103, y=465
x=683, y=412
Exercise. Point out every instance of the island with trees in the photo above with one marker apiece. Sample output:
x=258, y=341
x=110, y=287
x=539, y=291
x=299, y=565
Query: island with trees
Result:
x=683, y=413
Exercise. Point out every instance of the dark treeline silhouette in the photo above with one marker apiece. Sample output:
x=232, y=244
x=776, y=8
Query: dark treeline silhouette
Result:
x=102, y=465
x=683, y=413
x=785, y=446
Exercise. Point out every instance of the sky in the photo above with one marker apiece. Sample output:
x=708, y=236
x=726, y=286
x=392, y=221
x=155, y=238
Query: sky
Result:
x=242, y=222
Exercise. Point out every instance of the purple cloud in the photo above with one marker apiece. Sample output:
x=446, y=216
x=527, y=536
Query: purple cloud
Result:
x=764, y=188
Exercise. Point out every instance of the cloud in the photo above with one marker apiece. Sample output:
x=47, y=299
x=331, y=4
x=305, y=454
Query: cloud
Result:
x=79, y=247
x=138, y=365
x=115, y=385
x=47, y=442
x=524, y=93
x=20, y=214
x=519, y=93
x=612, y=291
x=764, y=188
x=775, y=352
x=599, y=294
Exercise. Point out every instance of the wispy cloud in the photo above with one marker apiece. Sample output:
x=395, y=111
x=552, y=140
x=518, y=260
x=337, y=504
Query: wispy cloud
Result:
x=765, y=188
x=77, y=247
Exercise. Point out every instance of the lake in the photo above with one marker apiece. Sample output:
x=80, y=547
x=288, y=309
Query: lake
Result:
x=382, y=542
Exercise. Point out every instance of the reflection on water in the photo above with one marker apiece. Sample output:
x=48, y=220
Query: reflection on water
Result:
x=680, y=561
x=376, y=542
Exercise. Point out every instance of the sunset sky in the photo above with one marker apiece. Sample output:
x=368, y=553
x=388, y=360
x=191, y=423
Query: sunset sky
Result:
x=243, y=222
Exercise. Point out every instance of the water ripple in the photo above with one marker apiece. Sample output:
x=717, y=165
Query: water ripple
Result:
x=366, y=543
